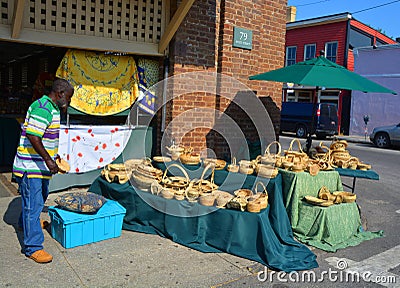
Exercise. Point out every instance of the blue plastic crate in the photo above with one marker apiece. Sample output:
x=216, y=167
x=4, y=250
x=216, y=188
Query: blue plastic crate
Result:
x=73, y=229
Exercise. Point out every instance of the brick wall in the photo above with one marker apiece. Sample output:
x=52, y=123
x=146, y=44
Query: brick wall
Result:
x=204, y=43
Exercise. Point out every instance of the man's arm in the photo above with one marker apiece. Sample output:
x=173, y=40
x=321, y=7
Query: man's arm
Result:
x=38, y=146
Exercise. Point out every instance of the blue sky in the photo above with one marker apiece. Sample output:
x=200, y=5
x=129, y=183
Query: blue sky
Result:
x=385, y=17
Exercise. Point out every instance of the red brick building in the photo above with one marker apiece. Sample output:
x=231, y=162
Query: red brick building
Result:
x=336, y=35
x=203, y=42
x=192, y=35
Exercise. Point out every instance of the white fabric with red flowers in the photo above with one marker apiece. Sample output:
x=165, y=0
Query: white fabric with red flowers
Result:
x=89, y=148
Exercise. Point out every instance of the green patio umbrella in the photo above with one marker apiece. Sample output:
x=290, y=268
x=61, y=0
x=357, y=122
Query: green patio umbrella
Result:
x=322, y=72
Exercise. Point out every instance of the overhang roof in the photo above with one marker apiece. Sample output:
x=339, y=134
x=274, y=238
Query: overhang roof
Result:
x=319, y=20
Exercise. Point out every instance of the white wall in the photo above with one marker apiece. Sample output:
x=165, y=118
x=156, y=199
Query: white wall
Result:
x=381, y=65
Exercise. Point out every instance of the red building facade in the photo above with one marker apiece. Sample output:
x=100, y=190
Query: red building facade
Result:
x=335, y=35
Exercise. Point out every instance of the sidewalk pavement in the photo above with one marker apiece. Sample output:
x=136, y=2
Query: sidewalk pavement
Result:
x=131, y=260
x=355, y=139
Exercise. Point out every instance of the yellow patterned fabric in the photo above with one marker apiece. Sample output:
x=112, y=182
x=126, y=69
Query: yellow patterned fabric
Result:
x=104, y=84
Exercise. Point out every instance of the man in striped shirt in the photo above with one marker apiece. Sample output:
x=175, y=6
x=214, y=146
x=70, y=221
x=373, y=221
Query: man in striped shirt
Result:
x=34, y=163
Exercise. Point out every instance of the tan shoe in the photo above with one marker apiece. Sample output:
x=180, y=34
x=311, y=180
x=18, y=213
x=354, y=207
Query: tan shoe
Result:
x=44, y=224
x=41, y=256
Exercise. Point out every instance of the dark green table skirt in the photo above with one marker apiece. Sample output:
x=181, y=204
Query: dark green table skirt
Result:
x=265, y=237
x=368, y=174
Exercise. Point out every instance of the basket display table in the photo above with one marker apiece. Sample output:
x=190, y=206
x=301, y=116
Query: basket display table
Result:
x=265, y=237
x=328, y=228
x=369, y=174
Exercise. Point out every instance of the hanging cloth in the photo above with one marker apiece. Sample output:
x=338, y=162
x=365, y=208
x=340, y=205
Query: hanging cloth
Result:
x=148, y=71
x=104, y=84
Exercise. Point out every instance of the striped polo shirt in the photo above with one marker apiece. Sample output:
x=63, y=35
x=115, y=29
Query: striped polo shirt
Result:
x=42, y=120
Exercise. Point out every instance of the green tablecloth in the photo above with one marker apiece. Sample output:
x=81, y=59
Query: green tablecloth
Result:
x=265, y=237
x=369, y=174
x=327, y=228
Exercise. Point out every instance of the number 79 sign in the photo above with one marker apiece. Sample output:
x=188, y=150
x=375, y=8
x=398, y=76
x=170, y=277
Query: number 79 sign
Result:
x=242, y=38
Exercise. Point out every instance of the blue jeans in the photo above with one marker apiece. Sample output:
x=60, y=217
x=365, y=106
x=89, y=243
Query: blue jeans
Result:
x=34, y=192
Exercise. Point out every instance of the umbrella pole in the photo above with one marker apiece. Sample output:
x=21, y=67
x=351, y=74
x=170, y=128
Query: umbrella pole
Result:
x=314, y=111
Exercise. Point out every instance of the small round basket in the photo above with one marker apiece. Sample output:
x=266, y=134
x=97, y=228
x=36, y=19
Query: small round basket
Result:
x=189, y=157
x=339, y=145
x=363, y=166
x=266, y=170
x=313, y=169
x=162, y=159
x=233, y=167
x=347, y=197
x=207, y=200
x=175, y=151
x=218, y=164
x=222, y=198
x=191, y=194
x=287, y=165
x=63, y=166
x=167, y=193
x=243, y=193
x=179, y=195
x=146, y=169
x=253, y=206
x=317, y=201
x=143, y=182
x=237, y=203
x=116, y=173
x=297, y=167
x=131, y=164
x=246, y=167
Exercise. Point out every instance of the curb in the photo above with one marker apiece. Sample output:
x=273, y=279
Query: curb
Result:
x=354, y=140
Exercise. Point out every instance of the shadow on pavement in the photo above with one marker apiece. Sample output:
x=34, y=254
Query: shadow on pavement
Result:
x=11, y=218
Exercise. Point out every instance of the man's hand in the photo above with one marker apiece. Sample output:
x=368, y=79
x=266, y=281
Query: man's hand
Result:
x=52, y=165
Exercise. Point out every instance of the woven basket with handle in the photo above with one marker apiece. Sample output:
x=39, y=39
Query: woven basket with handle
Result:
x=268, y=157
x=261, y=195
x=296, y=156
x=203, y=185
x=175, y=182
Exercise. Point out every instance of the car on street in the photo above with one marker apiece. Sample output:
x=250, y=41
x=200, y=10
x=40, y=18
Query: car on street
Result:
x=298, y=117
x=386, y=136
